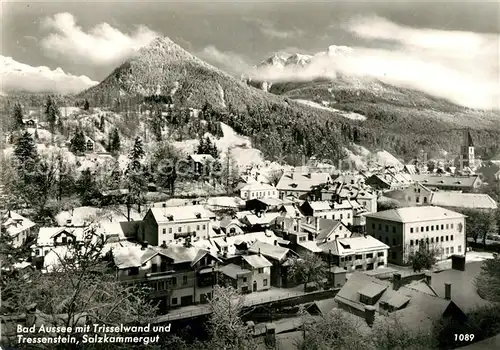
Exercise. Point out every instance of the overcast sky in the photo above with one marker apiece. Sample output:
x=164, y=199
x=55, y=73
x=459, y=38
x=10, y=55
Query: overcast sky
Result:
x=460, y=39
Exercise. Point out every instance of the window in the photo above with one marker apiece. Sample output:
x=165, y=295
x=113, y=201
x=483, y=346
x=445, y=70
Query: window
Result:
x=393, y=255
x=425, y=199
x=422, y=229
x=393, y=229
x=197, y=227
x=302, y=239
x=359, y=267
x=432, y=228
x=427, y=228
x=133, y=271
x=348, y=215
x=341, y=216
x=411, y=242
x=432, y=239
x=174, y=301
x=244, y=279
x=437, y=227
x=442, y=227
x=447, y=250
x=416, y=242
x=174, y=281
x=417, y=199
x=170, y=230
x=447, y=238
x=184, y=279
x=204, y=226
x=380, y=226
x=427, y=240
x=373, y=225
x=64, y=239
x=164, y=242
x=369, y=256
x=447, y=226
x=411, y=230
x=451, y=238
x=264, y=282
x=260, y=270
x=179, y=229
x=386, y=228
x=416, y=229
x=387, y=240
x=442, y=238
x=459, y=248
x=380, y=263
x=452, y=250
x=358, y=257
x=394, y=241
x=380, y=254
x=451, y=226
x=164, y=231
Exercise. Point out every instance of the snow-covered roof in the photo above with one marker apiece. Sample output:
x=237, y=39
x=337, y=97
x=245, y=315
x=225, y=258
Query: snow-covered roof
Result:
x=184, y=213
x=15, y=223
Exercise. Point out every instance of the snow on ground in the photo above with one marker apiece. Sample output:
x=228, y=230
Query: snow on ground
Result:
x=241, y=147
x=387, y=159
x=67, y=111
x=348, y=115
x=81, y=215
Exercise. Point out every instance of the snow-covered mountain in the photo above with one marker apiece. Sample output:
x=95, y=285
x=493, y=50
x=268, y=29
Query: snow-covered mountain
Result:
x=19, y=77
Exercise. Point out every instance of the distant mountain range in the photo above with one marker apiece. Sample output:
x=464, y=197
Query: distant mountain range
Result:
x=303, y=114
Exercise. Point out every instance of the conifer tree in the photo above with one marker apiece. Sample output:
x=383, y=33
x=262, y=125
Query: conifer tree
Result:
x=78, y=142
x=86, y=105
x=51, y=113
x=114, y=141
x=135, y=177
x=18, y=117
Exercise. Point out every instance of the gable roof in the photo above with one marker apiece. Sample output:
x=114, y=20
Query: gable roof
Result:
x=301, y=182
x=257, y=186
x=415, y=214
x=46, y=235
x=257, y=261
x=319, y=205
x=463, y=200
x=263, y=219
x=15, y=223
x=202, y=158
x=448, y=181
x=269, y=250
x=233, y=270
x=183, y=213
x=132, y=256
x=352, y=245
x=326, y=228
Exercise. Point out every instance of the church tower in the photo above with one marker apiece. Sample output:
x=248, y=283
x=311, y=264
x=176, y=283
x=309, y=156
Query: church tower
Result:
x=467, y=150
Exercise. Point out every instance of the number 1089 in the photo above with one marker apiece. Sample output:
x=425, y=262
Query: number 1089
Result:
x=464, y=337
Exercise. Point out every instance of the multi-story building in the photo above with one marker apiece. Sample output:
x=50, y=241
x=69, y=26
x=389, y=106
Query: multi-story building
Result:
x=257, y=190
x=341, y=210
x=178, y=275
x=415, y=194
x=163, y=226
x=249, y=273
x=356, y=253
x=406, y=229
x=18, y=227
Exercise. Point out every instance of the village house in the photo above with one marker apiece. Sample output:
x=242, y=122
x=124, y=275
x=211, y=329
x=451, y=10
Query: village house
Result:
x=281, y=259
x=414, y=195
x=300, y=182
x=464, y=184
x=163, y=226
x=231, y=227
x=248, y=273
x=18, y=227
x=201, y=163
x=258, y=190
x=356, y=253
x=259, y=221
x=368, y=297
x=342, y=210
x=179, y=275
x=265, y=204
x=389, y=179
x=405, y=229
x=228, y=247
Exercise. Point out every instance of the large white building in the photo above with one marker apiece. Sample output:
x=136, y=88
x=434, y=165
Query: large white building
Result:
x=405, y=229
x=163, y=226
x=258, y=190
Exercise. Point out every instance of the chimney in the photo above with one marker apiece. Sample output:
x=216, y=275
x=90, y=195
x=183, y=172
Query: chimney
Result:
x=396, y=281
x=369, y=314
x=316, y=223
x=299, y=223
x=308, y=219
x=428, y=278
x=275, y=242
x=144, y=245
x=447, y=291
x=259, y=251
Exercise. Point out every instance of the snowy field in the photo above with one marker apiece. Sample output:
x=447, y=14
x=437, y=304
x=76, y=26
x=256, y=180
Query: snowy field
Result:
x=348, y=115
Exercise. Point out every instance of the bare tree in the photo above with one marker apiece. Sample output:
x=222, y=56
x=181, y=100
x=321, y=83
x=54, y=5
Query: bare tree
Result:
x=226, y=327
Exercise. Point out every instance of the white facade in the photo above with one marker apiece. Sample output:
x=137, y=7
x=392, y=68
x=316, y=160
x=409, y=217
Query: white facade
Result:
x=257, y=191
